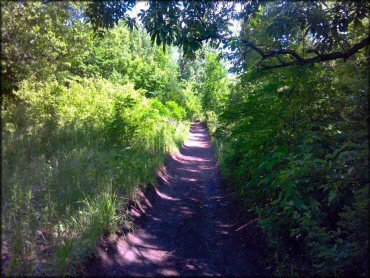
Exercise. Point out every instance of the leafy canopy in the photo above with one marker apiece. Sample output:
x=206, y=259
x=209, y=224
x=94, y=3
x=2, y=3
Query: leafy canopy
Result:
x=288, y=33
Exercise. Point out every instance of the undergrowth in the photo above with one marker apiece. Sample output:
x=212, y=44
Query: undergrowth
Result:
x=293, y=145
x=73, y=155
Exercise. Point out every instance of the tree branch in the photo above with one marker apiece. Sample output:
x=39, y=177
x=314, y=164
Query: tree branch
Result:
x=298, y=60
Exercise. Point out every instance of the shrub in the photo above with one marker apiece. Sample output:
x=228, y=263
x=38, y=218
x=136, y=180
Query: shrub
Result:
x=73, y=154
x=294, y=145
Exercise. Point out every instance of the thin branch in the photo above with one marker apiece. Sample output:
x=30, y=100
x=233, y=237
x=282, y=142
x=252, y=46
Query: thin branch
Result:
x=298, y=60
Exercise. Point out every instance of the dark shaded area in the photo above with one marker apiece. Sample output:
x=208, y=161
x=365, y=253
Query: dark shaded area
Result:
x=183, y=227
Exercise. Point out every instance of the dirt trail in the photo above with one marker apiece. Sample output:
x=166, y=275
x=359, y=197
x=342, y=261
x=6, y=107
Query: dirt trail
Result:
x=183, y=228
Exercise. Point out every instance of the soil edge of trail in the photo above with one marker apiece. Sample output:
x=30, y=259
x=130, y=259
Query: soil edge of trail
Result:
x=191, y=223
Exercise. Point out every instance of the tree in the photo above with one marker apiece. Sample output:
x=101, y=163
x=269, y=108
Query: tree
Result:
x=295, y=33
x=39, y=39
x=290, y=33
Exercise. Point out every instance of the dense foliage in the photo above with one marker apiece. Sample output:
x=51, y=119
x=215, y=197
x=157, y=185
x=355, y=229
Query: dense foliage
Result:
x=72, y=156
x=294, y=143
x=90, y=120
x=286, y=27
x=92, y=106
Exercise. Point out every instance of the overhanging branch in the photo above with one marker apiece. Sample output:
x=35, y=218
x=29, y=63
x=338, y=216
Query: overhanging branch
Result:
x=299, y=60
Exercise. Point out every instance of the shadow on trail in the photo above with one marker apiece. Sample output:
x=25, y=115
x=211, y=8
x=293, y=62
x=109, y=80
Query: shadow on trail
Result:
x=182, y=225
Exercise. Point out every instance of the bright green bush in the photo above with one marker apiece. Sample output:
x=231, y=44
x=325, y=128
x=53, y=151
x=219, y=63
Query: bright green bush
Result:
x=41, y=40
x=73, y=155
x=192, y=103
x=123, y=56
x=85, y=126
x=206, y=87
x=177, y=112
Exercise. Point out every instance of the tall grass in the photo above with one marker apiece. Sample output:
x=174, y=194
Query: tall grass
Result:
x=73, y=155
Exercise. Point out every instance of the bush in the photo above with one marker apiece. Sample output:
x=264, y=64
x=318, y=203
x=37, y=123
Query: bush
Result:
x=176, y=111
x=73, y=154
x=294, y=144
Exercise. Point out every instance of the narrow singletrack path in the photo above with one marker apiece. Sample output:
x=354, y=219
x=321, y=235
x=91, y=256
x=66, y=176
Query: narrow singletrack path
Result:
x=185, y=228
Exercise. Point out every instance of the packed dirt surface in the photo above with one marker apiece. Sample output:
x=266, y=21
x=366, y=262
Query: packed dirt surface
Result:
x=183, y=226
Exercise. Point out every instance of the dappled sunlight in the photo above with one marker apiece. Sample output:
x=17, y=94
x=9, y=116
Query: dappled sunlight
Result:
x=189, y=170
x=198, y=143
x=186, y=210
x=163, y=175
x=189, y=179
x=104, y=145
x=178, y=232
x=164, y=196
x=135, y=248
x=185, y=159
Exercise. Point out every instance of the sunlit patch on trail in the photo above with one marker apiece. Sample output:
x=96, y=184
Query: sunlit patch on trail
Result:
x=189, y=179
x=164, y=196
x=169, y=272
x=197, y=143
x=163, y=175
x=134, y=249
x=188, y=159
